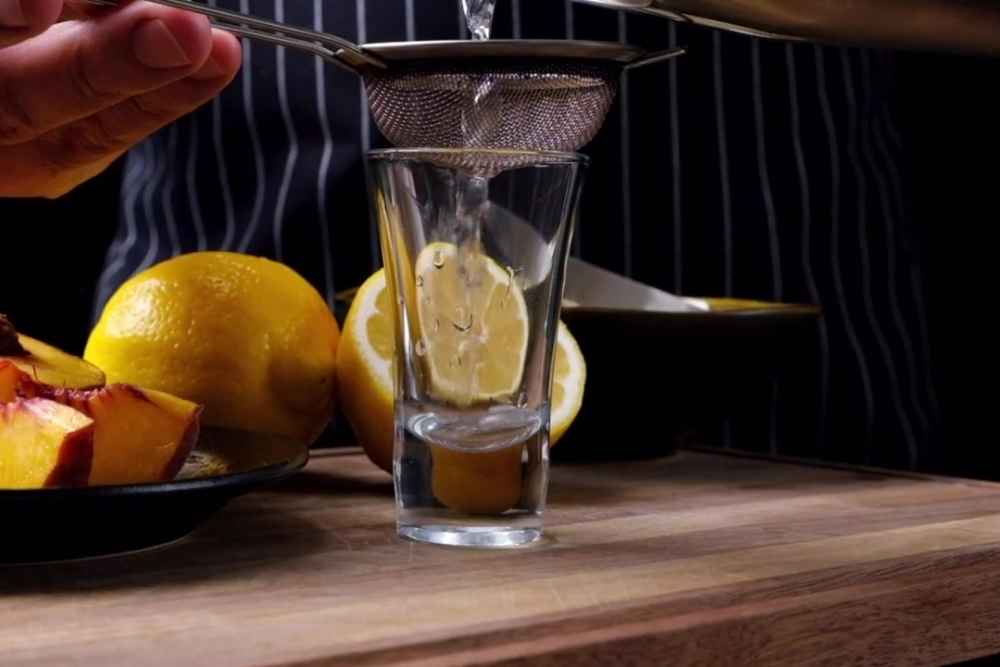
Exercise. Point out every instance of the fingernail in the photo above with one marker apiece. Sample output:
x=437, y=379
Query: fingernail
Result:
x=156, y=47
x=11, y=14
x=210, y=70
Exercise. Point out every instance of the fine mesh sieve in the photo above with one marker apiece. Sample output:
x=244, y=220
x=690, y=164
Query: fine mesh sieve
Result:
x=538, y=95
x=558, y=106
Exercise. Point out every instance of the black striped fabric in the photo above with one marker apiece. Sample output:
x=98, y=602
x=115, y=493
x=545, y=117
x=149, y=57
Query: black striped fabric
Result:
x=747, y=168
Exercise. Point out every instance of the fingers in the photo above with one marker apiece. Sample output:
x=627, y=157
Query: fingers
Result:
x=21, y=19
x=82, y=149
x=75, y=69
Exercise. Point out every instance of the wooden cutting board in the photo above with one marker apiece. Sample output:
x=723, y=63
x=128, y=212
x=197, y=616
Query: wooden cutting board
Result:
x=698, y=559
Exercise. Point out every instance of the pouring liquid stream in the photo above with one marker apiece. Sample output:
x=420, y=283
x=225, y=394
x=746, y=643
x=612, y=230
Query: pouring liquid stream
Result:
x=472, y=199
x=512, y=424
x=479, y=17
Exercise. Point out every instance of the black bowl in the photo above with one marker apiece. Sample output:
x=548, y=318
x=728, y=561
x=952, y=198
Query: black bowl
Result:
x=656, y=378
x=62, y=524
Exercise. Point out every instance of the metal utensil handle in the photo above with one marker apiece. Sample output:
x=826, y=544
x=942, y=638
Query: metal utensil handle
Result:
x=332, y=47
x=280, y=40
x=657, y=57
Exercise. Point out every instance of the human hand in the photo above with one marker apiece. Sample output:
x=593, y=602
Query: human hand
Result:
x=75, y=94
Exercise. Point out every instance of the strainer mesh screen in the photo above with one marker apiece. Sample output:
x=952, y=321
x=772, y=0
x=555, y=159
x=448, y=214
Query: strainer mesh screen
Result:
x=544, y=105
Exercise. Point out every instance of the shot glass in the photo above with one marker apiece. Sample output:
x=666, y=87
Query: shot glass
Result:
x=475, y=244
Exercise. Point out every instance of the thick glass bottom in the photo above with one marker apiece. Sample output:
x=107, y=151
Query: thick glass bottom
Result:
x=481, y=537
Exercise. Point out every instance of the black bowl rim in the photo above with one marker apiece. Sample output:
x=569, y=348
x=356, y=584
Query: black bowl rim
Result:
x=753, y=309
x=259, y=475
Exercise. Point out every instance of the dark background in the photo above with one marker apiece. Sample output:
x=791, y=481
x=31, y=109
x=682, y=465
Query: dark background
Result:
x=54, y=250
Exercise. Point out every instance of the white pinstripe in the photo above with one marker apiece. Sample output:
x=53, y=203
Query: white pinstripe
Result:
x=886, y=352
x=727, y=204
x=258, y=153
x=890, y=229
x=293, y=141
x=772, y=217
x=220, y=155
x=626, y=138
x=807, y=267
x=727, y=199
x=765, y=178
x=570, y=26
x=136, y=187
x=915, y=281
x=192, y=186
x=148, y=192
x=135, y=172
x=168, y=191
x=838, y=281
x=366, y=135
x=325, y=223
x=411, y=22
x=675, y=159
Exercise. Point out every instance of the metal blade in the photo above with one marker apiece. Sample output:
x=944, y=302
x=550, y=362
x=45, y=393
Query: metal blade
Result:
x=590, y=286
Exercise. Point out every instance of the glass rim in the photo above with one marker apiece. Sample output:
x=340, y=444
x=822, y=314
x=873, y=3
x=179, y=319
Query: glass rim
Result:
x=540, y=156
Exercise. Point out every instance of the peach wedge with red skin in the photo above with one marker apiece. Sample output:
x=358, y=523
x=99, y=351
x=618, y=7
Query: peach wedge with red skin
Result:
x=49, y=365
x=44, y=444
x=12, y=379
x=142, y=436
x=44, y=363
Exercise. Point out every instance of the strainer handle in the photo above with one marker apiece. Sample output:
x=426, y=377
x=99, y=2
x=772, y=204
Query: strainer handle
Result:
x=656, y=57
x=332, y=47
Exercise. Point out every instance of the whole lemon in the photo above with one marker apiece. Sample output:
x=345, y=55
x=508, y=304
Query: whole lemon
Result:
x=248, y=338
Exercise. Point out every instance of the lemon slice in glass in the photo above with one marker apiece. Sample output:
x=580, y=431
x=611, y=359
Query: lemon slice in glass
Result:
x=473, y=326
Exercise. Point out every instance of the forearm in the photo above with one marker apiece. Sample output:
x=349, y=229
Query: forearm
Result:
x=971, y=27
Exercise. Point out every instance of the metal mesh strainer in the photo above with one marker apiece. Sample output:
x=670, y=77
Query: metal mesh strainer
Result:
x=557, y=107
x=539, y=95
x=526, y=95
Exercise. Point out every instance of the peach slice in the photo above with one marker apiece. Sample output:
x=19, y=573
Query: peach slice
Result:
x=11, y=379
x=141, y=436
x=45, y=363
x=50, y=365
x=44, y=444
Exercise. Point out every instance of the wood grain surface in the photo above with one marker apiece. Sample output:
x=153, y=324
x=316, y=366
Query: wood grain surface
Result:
x=699, y=559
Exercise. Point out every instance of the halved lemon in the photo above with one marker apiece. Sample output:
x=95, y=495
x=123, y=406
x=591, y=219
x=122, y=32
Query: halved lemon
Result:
x=364, y=359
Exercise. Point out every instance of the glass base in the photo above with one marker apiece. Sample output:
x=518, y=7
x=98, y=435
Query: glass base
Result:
x=482, y=537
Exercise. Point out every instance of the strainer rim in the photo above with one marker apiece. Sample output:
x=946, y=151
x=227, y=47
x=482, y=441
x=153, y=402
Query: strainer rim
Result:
x=595, y=51
x=535, y=156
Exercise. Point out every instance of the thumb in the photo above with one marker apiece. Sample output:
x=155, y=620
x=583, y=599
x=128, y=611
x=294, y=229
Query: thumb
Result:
x=21, y=19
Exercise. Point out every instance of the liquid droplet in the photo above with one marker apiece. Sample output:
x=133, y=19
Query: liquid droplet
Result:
x=420, y=281
x=437, y=325
x=511, y=277
x=463, y=321
x=421, y=348
x=438, y=259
